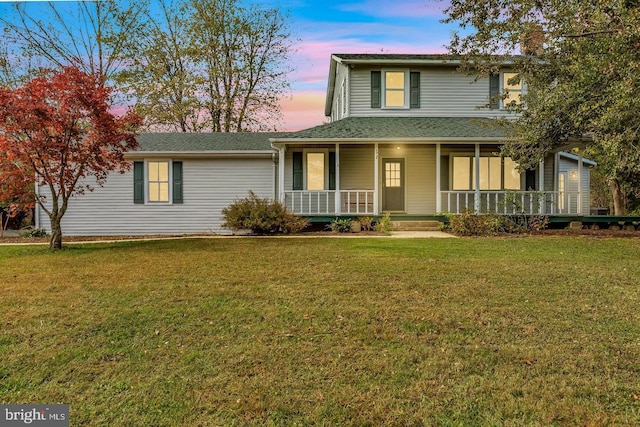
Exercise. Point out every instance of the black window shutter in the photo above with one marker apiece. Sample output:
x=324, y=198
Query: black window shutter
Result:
x=376, y=89
x=494, y=91
x=138, y=182
x=414, y=94
x=332, y=170
x=297, y=170
x=177, y=182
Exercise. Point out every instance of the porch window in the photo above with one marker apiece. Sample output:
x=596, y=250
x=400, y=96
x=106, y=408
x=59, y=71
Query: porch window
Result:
x=315, y=171
x=496, y=174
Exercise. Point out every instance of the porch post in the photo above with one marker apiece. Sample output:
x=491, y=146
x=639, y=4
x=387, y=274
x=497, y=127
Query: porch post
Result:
x=281, y=152
x=375, y=180
x=476, y=201
x=438, y=195
x=556, y=172
x=580, y=182
x=338, y=199
x=542, y=206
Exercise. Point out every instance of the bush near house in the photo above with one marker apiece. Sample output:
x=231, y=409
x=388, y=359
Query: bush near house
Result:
x=261, y=216
x=487, y=224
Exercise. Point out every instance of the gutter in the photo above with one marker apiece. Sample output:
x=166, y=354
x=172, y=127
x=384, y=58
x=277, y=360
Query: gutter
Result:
x=277, y=142
x=256, y=154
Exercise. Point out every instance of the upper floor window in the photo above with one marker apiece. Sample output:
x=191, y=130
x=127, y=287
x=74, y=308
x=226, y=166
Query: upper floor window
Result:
x=513, y=88
x=395, y=89
x=507, y=85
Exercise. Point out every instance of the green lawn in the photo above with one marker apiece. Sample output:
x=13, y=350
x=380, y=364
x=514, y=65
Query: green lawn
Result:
x=452, y=332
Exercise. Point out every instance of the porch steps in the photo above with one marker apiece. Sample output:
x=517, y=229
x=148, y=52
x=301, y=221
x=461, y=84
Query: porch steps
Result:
x=415, y=225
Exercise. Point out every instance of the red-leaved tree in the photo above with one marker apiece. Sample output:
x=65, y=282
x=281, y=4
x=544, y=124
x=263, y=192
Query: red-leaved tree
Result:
x=57, y=132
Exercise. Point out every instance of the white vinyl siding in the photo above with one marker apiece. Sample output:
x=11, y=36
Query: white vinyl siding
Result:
x=420, y=175
x=208, y=187
x=356, y=167
x=340, y=106
x=443, y=93
x=570, y=166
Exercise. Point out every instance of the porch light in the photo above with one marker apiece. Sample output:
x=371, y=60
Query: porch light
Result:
x=574, y=174
x=398, y=147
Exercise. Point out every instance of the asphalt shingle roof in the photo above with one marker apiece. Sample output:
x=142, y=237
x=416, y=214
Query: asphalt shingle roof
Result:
x=402, y=127
x=394, y=57
x=207, y=142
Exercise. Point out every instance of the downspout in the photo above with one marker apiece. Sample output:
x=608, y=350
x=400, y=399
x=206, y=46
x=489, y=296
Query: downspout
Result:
x=541, y=202
x=580, y=182
x=274, y=159
x=438, y=185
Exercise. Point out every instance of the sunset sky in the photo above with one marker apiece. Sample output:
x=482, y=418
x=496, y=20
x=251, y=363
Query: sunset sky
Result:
x=365, y=26
x=320, y=28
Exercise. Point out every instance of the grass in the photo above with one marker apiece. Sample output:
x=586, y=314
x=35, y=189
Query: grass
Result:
x=451, y=332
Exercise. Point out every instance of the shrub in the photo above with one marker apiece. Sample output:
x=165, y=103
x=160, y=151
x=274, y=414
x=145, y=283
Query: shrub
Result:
x=33, y=232
x=383, y=225
x=341, y=225
x=472, y=224
x=261, y=216
x=366, y=222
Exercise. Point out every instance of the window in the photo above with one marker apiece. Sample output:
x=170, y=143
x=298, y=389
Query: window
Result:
x=496, y=174
x=343, y=97
x=499, y=85
x=315, y=171
x=157, y=181
x=395, y=89
x=392, y=175
x=513, y=90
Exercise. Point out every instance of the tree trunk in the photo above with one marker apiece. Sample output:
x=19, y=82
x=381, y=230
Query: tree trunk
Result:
x=55, y=243
x=618, y=197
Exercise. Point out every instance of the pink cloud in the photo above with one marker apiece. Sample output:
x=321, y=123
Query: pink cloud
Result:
x=303, y=110
x=313, y=57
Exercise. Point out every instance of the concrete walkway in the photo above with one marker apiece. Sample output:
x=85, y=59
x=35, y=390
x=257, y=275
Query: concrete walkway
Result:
x=393, y=234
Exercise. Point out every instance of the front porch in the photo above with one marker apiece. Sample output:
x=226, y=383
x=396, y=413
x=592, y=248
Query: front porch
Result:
x=361, y=202
x=411, y=178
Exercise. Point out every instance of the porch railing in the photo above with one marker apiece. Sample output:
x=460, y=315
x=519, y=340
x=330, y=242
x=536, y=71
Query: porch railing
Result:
x=512, y=202
x=359, y=202
x=351, y=202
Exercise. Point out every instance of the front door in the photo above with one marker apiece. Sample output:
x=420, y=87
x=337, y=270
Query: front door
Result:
x=393, y=185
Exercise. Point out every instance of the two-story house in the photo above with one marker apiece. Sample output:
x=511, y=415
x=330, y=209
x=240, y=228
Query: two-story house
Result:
x=407, y=135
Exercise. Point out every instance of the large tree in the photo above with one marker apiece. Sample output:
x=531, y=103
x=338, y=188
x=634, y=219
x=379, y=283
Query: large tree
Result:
x=97, y=37
x=213, y=65
x=162, y=78
x=57, y=132
x=581, y=63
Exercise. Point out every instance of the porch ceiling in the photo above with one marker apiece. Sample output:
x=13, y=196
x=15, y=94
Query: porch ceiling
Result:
x=376, y=128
